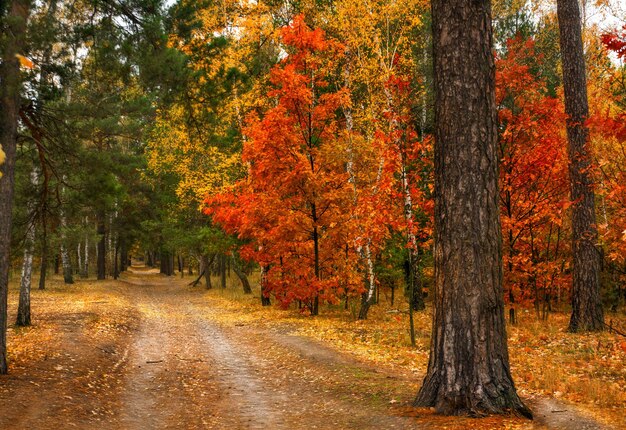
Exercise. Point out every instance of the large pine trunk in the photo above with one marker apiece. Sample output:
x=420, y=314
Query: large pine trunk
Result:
x=468, y=370
x=587, y=314
x=13, y=28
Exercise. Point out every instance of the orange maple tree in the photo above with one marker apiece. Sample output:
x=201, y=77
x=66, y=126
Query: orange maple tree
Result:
x=291, y=206
x=608, y=124
x=533, y=179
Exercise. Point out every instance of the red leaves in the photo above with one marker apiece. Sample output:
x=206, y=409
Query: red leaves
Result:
x=533, y=176
x=616, y=42
x=291, y=205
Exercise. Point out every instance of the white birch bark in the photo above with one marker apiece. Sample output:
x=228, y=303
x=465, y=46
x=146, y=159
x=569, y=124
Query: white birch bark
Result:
x=23, y=312
x=66, y=262
x=364, y=251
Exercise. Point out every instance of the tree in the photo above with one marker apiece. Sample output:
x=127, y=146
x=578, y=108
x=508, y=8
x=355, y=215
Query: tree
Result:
x=13, y=25
x=291, y=204
x=533, y=179
x=468, y=370
x=587, y=313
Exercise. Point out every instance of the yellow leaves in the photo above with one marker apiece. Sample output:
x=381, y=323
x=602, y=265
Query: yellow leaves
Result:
x=25, y=62
x=202, y=168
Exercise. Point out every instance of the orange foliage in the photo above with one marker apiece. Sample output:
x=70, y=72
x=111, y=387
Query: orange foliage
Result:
x=533, y=176
x=291, y=207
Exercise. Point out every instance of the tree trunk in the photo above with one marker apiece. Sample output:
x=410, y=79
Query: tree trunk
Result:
x=84, y=268
x=13, y=29
x=23, y=308
x=167, y=265
x=265, y=298
x=44, y=250
x=417, y=296
x=79, y=258
x=102, y=254
x=316, y=260
x=223, y=270
x=368, y=297
x=587, y=314
x=123, y=256
x=116, y=267
x=468, y=370
x=242, y=276
x=68, y=273
x=206, y=268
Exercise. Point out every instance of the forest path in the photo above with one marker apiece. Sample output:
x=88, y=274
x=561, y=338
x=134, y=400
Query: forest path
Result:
x=144, y=353
x=186, y=371
x=147, y=352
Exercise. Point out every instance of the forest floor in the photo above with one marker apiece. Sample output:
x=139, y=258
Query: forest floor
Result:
x=149, y=352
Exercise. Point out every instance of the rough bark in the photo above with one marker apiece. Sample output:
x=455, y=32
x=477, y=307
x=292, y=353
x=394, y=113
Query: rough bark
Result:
x=468, y=370
x=587, y=313
x=23, y=307
x=13, y=27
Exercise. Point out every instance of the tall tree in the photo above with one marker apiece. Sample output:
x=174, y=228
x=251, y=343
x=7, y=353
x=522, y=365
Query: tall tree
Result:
x=468, y=370
x=13, y=26
x=587, y=314
x=23, y=309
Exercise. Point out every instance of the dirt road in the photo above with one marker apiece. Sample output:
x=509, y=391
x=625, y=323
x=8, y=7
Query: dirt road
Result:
x=146, y=354
x=172, y=367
